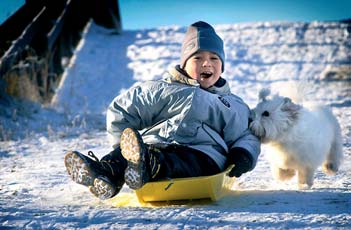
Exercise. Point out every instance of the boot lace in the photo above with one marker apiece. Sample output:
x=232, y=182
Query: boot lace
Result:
x=92, y=155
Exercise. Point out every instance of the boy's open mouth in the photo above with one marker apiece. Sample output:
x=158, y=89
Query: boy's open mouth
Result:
x=206, y=74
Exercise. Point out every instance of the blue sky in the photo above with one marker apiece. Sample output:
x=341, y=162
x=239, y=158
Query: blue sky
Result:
x=8, y=7
x=137, y=14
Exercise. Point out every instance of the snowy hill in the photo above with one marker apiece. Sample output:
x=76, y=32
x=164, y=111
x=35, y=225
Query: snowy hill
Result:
x=36, y=192
x=258, y=52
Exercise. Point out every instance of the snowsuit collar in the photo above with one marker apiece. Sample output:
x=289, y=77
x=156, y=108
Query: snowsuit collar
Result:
x=177, y=74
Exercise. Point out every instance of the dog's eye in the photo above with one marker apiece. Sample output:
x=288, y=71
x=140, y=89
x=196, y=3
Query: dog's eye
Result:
x=265, y=114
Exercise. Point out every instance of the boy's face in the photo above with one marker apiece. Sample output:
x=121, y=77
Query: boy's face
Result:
x=205, y=67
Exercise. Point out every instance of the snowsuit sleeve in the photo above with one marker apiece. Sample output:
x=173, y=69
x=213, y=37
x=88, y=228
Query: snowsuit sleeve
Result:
x=125, y=112
x=245, y=139
x=141, y=107
x=251, y=143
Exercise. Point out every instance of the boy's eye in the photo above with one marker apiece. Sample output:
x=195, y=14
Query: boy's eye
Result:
x=196, y=57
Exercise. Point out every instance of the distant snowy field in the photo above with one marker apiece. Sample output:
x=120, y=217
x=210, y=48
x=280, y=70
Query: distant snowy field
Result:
x=36, y=192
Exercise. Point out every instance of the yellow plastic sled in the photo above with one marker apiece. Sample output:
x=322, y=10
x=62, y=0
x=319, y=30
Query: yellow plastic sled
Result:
x=213, y=187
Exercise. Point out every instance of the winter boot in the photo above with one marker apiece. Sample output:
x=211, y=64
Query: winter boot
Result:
x=143, y=165
x=99, y=176
x=104, y=189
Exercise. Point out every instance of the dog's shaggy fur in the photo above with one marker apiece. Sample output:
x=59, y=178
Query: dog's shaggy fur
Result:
x=302, y=138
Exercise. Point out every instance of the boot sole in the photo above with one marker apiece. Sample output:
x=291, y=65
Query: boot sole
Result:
x=79, y=169
x=103, y=188
x=132, y=152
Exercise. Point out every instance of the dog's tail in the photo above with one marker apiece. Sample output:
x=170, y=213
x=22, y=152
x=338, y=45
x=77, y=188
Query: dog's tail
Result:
x=335, y=156
x=298, y=92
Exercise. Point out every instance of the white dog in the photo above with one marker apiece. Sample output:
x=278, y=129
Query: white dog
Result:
x=302, y=138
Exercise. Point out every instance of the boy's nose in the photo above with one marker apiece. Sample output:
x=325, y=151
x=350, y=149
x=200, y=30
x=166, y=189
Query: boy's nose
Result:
x=206, y=62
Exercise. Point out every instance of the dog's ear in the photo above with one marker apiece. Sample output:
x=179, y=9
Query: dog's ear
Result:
x=263, y=94
x=291, y=108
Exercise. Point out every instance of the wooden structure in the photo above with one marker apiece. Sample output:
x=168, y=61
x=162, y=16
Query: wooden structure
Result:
x=42, y=35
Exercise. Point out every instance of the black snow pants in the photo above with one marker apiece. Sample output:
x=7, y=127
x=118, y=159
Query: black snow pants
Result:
x=175, y=161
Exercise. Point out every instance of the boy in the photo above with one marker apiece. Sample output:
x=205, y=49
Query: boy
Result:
x=188, y=124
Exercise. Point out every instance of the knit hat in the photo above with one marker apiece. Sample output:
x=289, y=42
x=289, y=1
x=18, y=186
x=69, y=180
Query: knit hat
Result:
x=201, y=36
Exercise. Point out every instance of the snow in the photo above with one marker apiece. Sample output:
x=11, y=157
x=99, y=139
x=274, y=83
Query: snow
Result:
x=36, y=191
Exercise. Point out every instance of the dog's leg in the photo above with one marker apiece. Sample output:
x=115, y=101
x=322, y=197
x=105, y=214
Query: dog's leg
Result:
x=286, y=174
x=282, y=174
x=305, y=178
x=335, y=156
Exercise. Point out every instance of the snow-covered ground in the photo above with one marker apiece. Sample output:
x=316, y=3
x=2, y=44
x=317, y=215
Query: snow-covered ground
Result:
x=35, y=191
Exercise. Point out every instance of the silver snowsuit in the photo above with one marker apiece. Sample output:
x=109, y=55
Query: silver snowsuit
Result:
x=176, y=110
